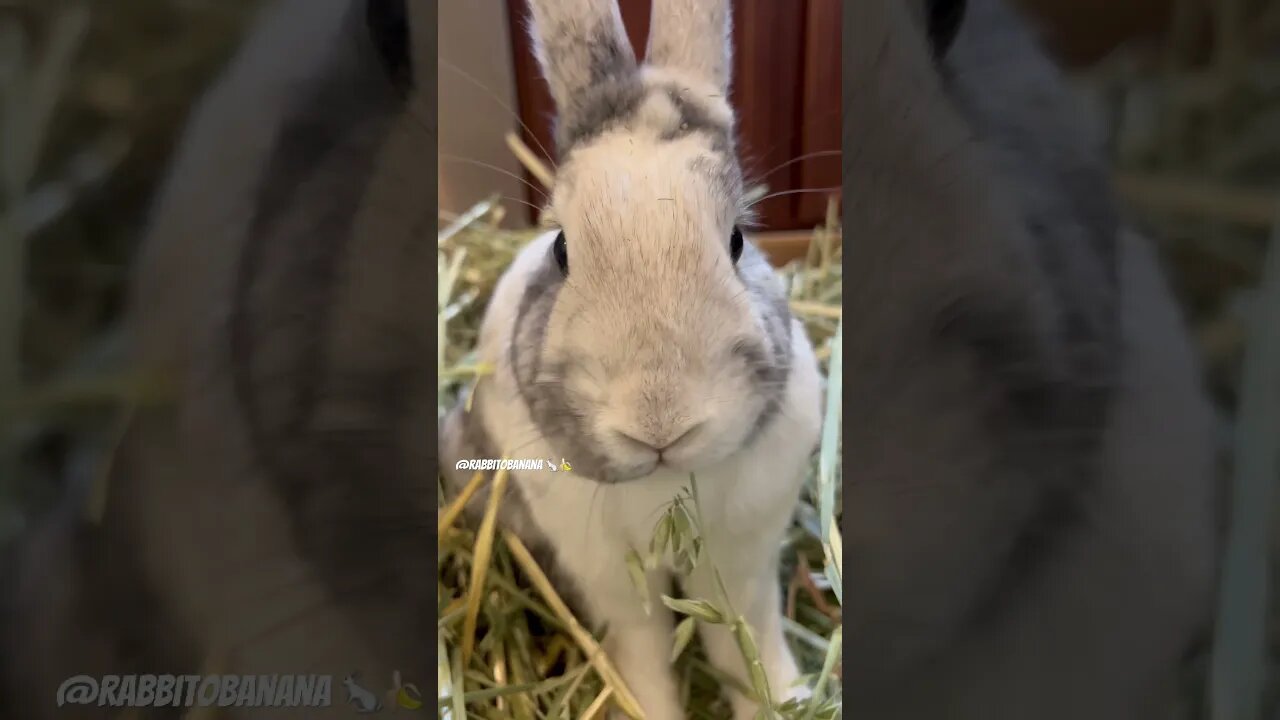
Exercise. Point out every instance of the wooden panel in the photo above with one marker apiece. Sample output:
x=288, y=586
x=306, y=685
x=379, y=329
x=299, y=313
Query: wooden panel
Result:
x=767, y=68
x=783, y=246
x=533, y=99
x=820, y=111
x=635, y=15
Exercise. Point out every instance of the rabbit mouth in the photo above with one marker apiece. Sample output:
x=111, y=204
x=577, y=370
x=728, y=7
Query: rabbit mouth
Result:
x=657, y=465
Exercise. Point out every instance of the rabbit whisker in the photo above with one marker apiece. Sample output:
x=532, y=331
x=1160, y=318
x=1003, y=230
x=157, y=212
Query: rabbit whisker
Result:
x=495, y=168
x=494, y=96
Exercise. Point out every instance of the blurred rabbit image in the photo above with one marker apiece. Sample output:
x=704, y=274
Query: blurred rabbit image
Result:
x=1029, y=474
x=275, y=514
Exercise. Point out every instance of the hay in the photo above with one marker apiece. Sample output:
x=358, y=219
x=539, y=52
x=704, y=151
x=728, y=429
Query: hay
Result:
x=509, y=647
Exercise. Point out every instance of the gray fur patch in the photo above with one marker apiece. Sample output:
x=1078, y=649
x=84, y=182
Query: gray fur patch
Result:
x=1018, y=108
x=531, y=322
x=722, y=168
x=695, y=118
x=610, y=103
x=597, y=48
x=337, y=481
x=613, y=90
x=614, y=102
x=1060, y=177
x=771, y=370
x=344, y=104
x=542, y=388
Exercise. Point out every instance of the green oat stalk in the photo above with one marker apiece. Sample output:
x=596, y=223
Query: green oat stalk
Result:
x=687, y=544
x=827, y=460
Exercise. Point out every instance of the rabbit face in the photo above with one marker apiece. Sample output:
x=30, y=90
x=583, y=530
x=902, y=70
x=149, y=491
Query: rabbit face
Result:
x=654, y=336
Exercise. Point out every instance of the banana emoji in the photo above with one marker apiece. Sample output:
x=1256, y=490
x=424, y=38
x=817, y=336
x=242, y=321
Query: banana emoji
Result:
x=405, y=695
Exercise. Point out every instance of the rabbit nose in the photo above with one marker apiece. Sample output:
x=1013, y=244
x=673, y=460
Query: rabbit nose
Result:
x=661, y=441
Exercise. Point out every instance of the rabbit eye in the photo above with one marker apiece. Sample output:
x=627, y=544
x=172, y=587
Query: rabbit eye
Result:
x=561, y=252
x=735, y=244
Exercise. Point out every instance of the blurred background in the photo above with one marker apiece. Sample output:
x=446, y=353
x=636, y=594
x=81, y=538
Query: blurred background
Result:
x=93, y=96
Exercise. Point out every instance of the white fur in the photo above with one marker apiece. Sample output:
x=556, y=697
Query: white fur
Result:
x=692, y=36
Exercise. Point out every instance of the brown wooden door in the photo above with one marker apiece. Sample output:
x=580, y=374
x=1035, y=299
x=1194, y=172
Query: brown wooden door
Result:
x=786, y=91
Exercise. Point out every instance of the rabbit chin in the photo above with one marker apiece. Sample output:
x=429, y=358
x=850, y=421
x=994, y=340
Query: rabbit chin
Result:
x=625, y=472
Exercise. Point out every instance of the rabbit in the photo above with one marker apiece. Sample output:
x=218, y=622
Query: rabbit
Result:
x=645, y=339
x=364, y=701
x=1031, y=471
x=269, y=513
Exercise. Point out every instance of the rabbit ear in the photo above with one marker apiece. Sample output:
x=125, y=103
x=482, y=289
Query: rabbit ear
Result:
x=583, y=49
x=694, y=36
